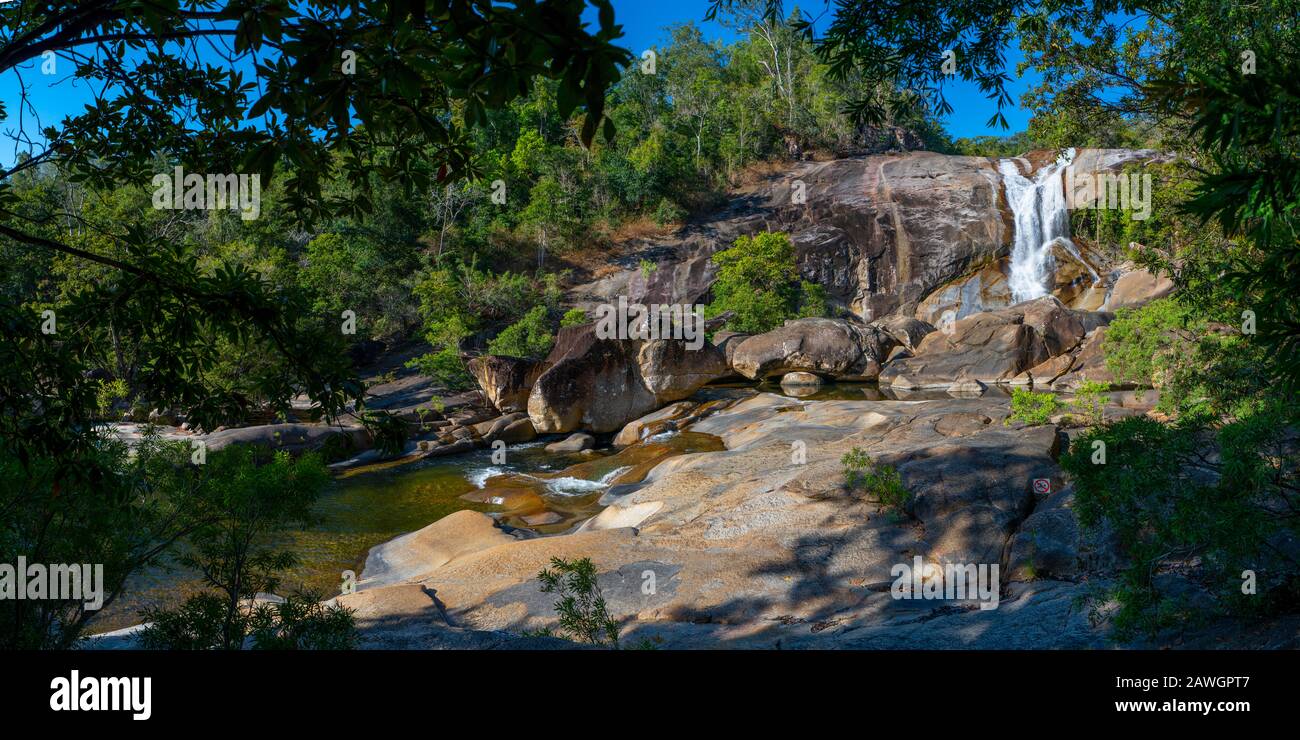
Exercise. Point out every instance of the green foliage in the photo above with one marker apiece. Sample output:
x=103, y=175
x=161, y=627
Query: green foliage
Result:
x=881, y=481
x=201, y=311
x=647, y=268
x=757, y=279
x=302, y=622
x=1250, y=127
x=813, y=301
x=109, y=393
x=998, y=147
x=1032, y=408
x=1202, y=369
x=297, y=623
x=107, y=507
x=456, y=302
x=387, y=431
x=446, y=368
x=573, y=317
x=233, y=549
x=1165, y=228
x=1090, y=401
x=1175, y=509
x=529, y=337
x=668, y=212
x=583, y=614
x=352, y=273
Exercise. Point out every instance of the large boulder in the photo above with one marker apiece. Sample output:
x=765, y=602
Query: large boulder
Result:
x=506, y=381
x=1135, y=288
x=994, y=346
x=576, y=442
x=906, y=330
x=599, y=385
x=1088, y=364
x=835, y=348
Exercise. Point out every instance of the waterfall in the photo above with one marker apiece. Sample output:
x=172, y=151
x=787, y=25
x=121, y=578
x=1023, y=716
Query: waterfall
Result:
x=1041, y=220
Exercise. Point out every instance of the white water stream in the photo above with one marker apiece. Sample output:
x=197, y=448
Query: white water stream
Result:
x=1041, y=220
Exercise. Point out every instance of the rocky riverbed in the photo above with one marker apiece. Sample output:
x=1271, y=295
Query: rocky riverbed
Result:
x=761, y=544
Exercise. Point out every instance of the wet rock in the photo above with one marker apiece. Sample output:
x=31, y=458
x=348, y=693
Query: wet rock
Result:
x=967, y=387
x=518, y=431
x=801, y=379
x=542, y=518
x=576, y=442
x=651, y=423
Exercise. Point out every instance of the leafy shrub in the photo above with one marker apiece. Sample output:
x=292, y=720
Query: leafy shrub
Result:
x=812, y=300
x=573, y=317
x=758, y=280
x=668, y=212
x=301, y=622
x=1090, y=401
x=349, y=272
x=1141, y=344
x=1202, y=370
x=583, y=613
x=1032, y=408
x=248, y=501
x=387, y=432
x=881, y=481
x=529, y=337
x=1172, y=507
x=457, y=302
x=445, y=367
x=109, y=393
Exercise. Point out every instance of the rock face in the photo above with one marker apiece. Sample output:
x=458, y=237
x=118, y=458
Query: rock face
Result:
x=506, y=381
x=915, y=233
x=599, y=385
x=829, y=347
x=879, y=232
x=994, y=346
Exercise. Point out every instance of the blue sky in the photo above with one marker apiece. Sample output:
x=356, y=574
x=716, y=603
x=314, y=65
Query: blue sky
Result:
x=644, y=24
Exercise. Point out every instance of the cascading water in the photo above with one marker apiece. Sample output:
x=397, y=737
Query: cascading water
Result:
x=1041, y=220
